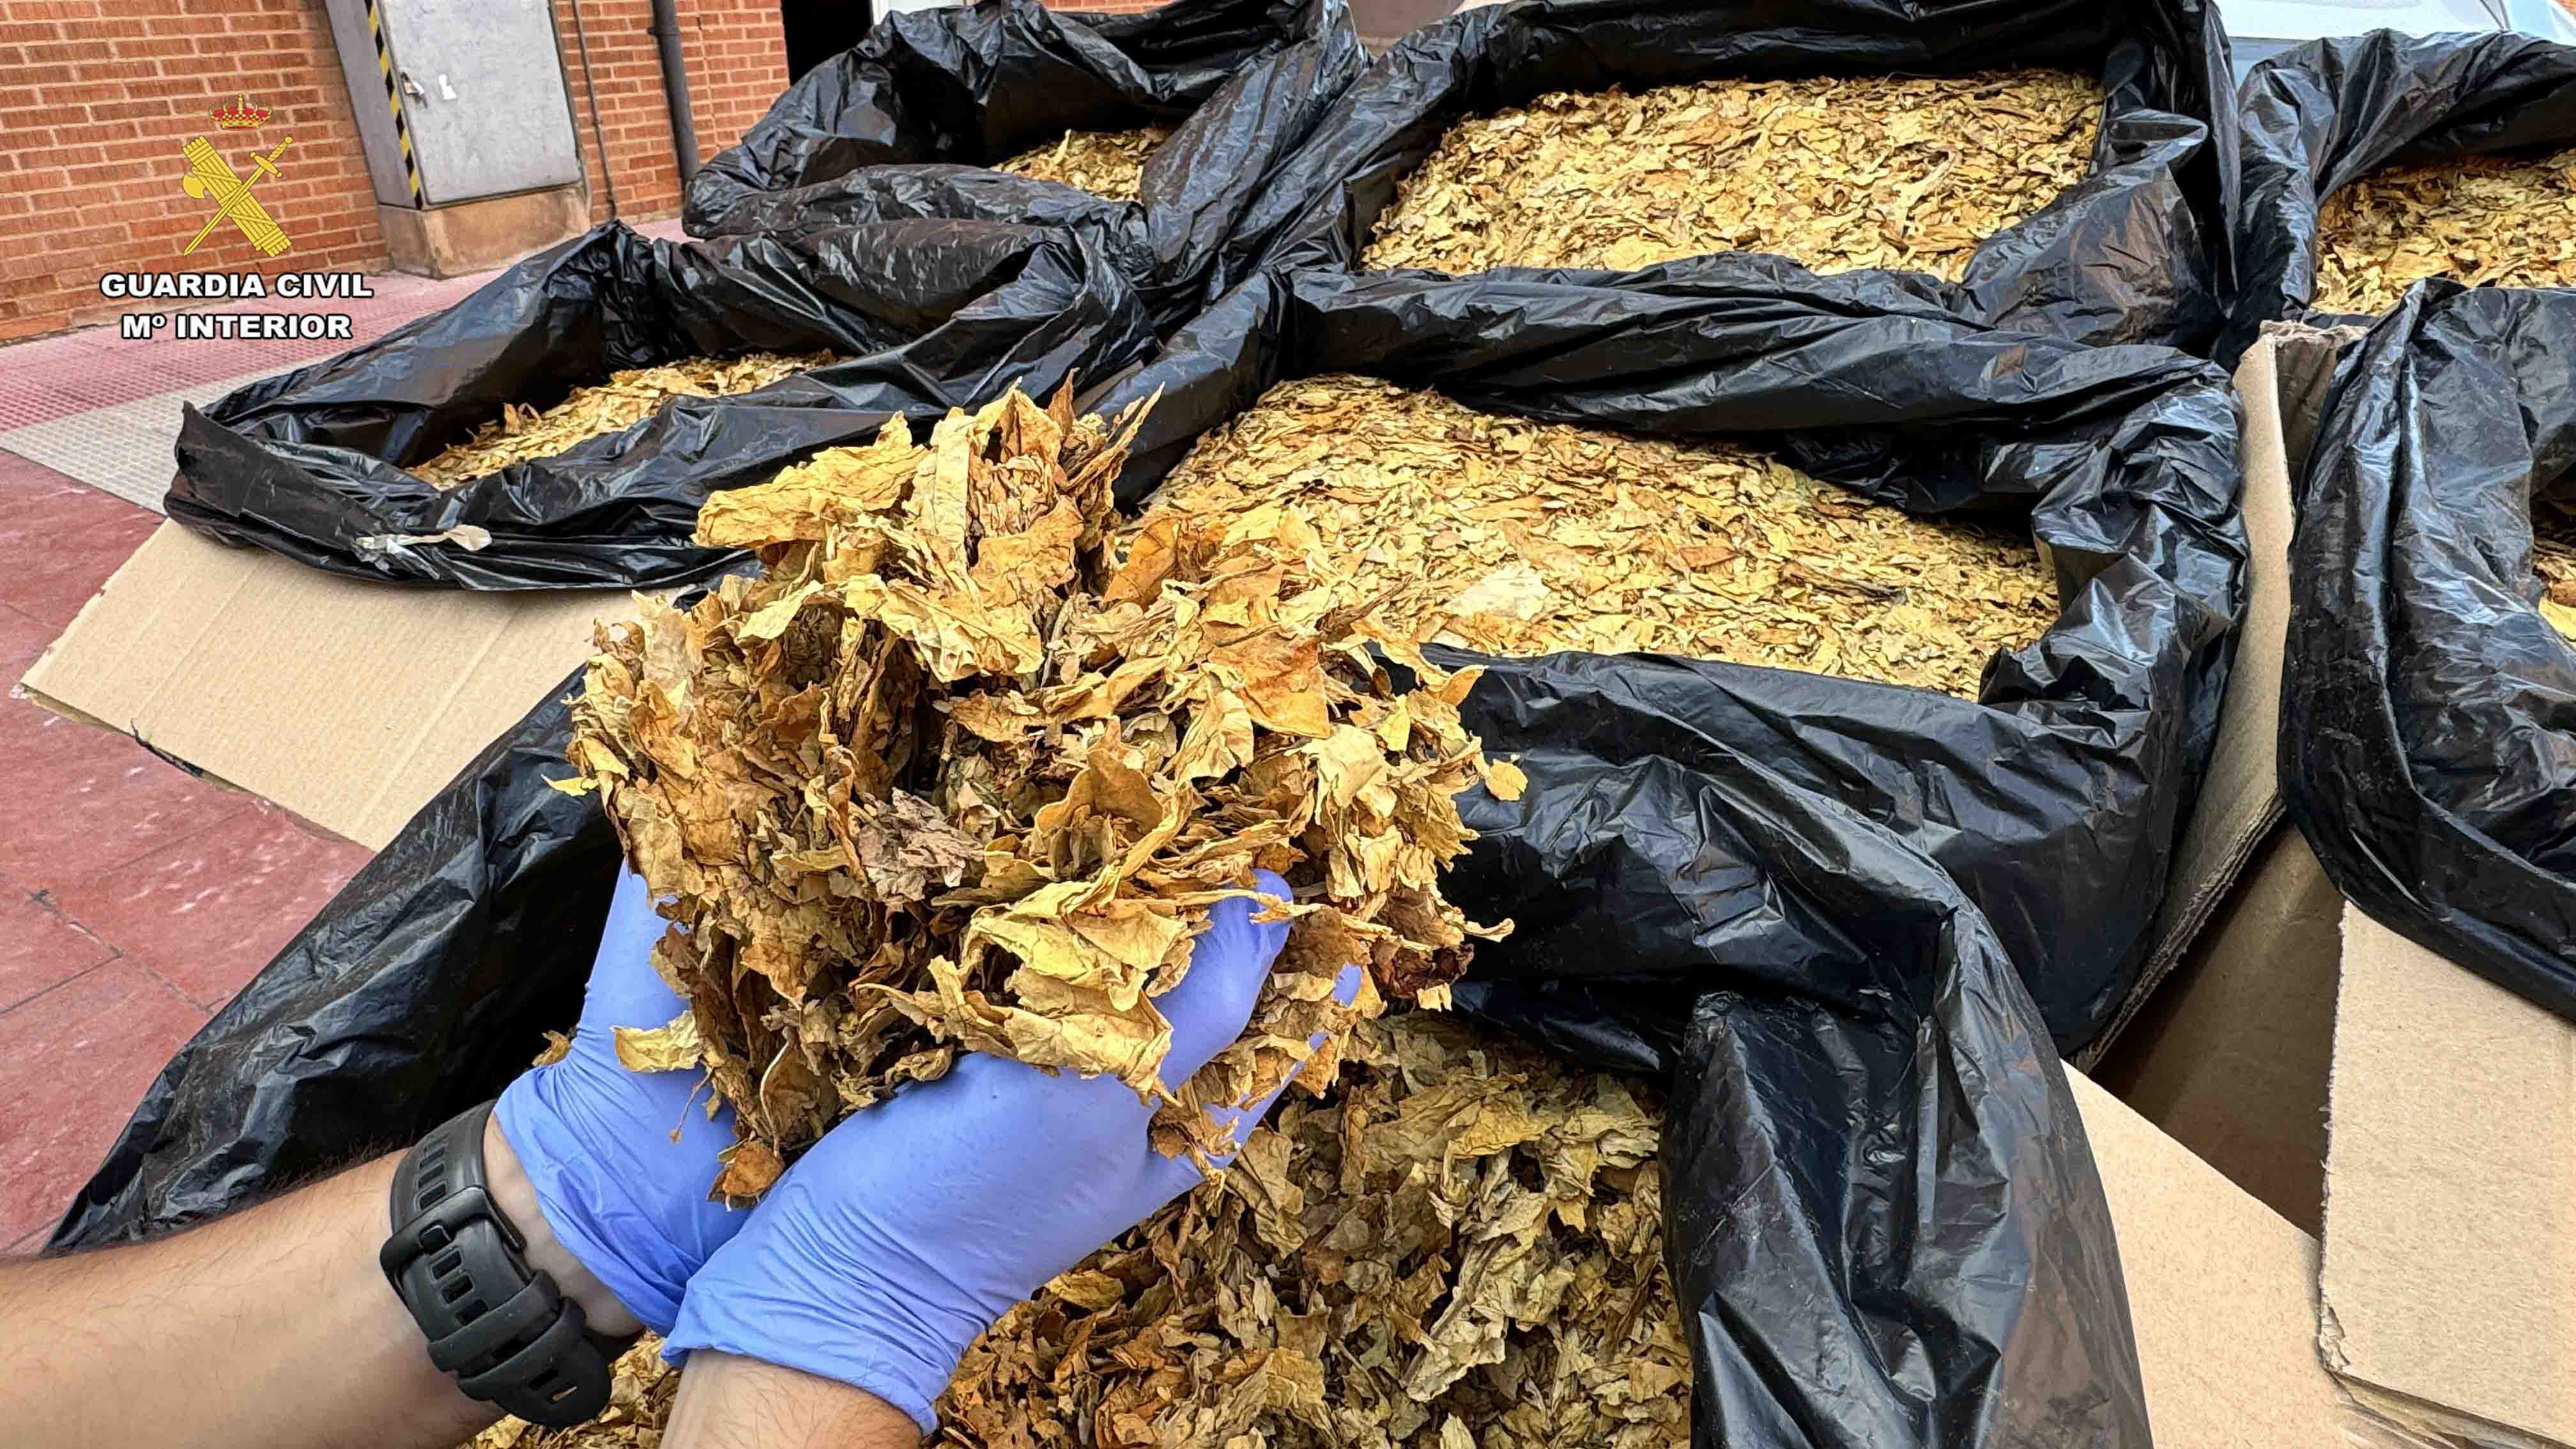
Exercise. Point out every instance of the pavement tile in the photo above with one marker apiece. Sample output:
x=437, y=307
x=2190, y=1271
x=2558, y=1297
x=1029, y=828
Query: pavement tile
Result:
x=58, y=545
x=206, y=912
x=79, y=800
x=78, y=1059
x=39, y=950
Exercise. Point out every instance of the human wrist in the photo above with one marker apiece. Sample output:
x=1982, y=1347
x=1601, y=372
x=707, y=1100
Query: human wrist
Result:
x=730, y=1402
x=515, y=1194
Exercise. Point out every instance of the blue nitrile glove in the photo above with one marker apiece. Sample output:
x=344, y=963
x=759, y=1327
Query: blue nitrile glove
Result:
x=621, y=1192
x=914, y=1225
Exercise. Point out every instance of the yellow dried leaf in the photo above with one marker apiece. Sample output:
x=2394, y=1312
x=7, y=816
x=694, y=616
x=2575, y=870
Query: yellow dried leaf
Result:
x=627, y=398
x=2482, y=220
x=1105, y=163
x=674, y=1047
x=1833, y=172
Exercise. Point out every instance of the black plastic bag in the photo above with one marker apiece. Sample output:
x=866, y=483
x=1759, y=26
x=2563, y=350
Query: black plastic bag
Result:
x=1880, y=1205
x=414, y=994
x=927, y=316
x=2135, y=253
x=1867, y=1131
x=2321, y=117
x=903, y=124
x=2054, y=800
x=2428, y=710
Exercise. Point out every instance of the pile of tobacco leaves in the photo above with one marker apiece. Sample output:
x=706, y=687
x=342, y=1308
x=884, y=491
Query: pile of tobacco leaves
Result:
x=948, y=776
x=627, y=398
x=2475, y=219
x=1516, y=537
x=1459, y=1246
x=1836, y=174
x=1108, y=164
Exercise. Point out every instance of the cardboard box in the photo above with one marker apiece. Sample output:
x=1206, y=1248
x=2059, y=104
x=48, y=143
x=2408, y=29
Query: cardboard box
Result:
x=2422, y=1118
x=347, y=702
x=2221, y=1297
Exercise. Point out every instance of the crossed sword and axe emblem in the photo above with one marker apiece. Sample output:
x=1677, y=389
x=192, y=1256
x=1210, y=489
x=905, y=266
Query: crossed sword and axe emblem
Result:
x=211, y=177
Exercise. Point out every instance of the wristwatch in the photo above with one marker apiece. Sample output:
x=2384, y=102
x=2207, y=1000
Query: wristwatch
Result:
x=508, y=1334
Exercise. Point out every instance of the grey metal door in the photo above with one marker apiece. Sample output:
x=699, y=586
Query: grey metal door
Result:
x=483, y=94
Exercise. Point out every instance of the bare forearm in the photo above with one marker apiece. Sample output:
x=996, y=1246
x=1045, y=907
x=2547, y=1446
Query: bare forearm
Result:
x=739, y=1403
x=269, y=1329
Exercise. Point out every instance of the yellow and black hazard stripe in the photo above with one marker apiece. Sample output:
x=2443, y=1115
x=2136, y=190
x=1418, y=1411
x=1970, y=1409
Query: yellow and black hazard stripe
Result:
x=393, y=98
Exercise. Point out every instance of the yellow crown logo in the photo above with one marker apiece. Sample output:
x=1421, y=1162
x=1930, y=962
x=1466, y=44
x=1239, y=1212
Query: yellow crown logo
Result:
x=241, y=115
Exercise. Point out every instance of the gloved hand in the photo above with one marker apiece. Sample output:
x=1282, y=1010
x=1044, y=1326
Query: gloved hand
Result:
x=620, y=1193
x=902, y=1235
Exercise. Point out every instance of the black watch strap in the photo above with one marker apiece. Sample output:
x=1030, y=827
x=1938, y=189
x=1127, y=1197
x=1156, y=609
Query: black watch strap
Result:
x=509, y=1335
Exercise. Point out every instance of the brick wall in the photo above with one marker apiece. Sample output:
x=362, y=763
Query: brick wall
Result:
x=737, y=62
x=98, y=96
x=96, y=99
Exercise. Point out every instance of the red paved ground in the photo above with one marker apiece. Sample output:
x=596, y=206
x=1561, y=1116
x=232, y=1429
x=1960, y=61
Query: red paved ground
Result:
x=134, y=899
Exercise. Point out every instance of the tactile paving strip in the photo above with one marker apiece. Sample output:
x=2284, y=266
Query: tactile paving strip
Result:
x=123, y=449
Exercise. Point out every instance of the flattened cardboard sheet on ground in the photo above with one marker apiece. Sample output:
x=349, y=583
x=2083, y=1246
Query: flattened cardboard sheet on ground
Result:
x=348, y=703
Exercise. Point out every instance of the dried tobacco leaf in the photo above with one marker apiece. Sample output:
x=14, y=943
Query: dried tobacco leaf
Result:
x=1108, y=164
x=1520, y=538
x=640, y=1388
x=950, y=776
x=2553, y=558
x=1460, y=1244
x=2476, y=219
x=1834, y=173
x=627, y=398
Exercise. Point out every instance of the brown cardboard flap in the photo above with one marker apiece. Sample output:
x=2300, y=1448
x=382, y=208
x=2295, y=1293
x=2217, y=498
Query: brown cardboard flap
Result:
x=2221, y=1295
x=348, y=703
x=2230, y=1058
x=2450, y=1246
x=2240, y=798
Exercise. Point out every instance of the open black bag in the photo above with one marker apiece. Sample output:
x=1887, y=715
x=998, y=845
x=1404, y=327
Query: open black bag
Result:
x=2428, y=709
x=2321, y=117
x=904, y=123
x=2053, y=800
x=1773, y=890
x=2136, y=253
x=927, y=315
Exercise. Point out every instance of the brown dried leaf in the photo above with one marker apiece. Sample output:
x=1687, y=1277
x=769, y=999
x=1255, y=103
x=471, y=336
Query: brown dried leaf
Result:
x=627, y=398
x=2481, y=220
x=1833, y=172
x=1523, y=538
x=675, y=1047
x=1109, y=164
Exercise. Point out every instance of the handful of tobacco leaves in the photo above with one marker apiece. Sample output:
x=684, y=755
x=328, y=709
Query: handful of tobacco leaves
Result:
x=1832, y=172
x=2480, y=220
x=948, y=777
x=1459, y=1247
x=627, y=398
x=1108, y=164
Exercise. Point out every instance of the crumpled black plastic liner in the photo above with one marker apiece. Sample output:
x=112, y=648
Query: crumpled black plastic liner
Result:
x=927, y=315
x=2428, y=709
x=904, y=123
x=2323, y=116
x=1799, y=900
x=2135, y=253
x=2055, y=799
